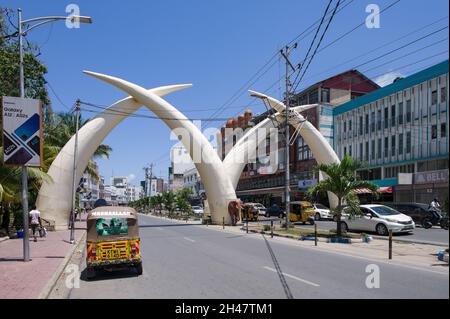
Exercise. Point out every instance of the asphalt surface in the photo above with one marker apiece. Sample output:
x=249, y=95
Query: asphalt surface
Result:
x=193, y=261
x=435, y=235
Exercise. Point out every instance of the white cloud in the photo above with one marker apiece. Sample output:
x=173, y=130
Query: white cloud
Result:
x=387, y=78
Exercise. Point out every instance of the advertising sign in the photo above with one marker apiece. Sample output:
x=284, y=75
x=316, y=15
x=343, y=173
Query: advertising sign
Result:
x=307, y=183
x=22, y=131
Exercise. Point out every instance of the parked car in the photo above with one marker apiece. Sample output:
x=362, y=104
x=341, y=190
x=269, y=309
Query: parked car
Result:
x=420, y=213
x=275, y=211
x=379, y=219
x=197, y=210
x=259, y=207
x=322, y=212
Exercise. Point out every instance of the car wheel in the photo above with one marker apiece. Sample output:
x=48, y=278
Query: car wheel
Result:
x=139, y=269
x=382, y=230
x=317, y=217
x=344, y=227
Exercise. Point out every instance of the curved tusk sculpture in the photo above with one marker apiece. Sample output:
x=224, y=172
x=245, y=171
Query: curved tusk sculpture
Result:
x=55, y=199
x=218, y=187
x=321, y=149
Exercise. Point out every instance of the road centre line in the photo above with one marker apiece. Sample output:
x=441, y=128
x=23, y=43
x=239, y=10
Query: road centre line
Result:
x=189, y=239
x=293, y=277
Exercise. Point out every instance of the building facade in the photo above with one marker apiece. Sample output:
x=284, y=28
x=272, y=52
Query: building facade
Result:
x=401, y=132
x=254, y=184
x=192, y=180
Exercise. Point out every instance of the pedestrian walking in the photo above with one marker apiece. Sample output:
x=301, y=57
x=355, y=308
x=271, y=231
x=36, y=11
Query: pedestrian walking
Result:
x=35, y=221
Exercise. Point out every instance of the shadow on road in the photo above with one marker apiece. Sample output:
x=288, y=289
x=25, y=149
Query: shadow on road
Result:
x=101, y=275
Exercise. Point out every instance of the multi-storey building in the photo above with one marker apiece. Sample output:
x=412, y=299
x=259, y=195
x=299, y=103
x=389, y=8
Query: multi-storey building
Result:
x=401, y=132
x=192, y=180
x=180, y=163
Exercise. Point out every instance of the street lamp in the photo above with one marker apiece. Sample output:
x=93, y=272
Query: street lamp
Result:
x=21, y=33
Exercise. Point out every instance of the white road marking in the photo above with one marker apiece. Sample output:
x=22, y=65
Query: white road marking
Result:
x=189, y=239
x=294, y=277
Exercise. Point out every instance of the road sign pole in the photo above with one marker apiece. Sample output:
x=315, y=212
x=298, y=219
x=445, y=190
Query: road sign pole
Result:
x=26, y=242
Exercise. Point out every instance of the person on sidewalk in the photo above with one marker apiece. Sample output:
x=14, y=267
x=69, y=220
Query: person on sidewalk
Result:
x=35, y=221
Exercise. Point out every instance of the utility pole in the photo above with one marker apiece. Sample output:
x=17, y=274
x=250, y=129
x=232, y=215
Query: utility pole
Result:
x=287, y=196
x=74, y=182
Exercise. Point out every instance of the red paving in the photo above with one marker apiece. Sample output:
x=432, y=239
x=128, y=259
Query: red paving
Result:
x=20, y=279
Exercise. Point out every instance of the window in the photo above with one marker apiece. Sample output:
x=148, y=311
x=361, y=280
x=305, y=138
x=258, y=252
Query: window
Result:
x=373, y=150
x=408, y=111
x=367, y=151
x=386, y=117
x=379, y=120
x=304, y=152
x=393, y=145
x=349, y=125
x=393, y=115
x=386, y=147
x=345, y=126
x=360, y=151
x=325, y=95
x=400, y=113
x=350, y=150
x=360, y=125
x=408, y=142
x=443, y=130
x=345, y=151
x=434, y=97
x=434, y=132
x=372, y=122
x=379, y=148
x=314, y=96
x=443, y=94
x=400, y=144
x=367, y=123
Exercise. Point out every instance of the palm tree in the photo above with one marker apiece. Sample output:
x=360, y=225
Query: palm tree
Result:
x=11, y=186
x=169, y=201
x=159, y=202
x=342, y=181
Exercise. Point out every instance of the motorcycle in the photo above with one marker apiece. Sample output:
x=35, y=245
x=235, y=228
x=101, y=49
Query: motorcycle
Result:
x=444, y=221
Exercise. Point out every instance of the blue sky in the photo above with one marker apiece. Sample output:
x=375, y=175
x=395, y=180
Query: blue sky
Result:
x=217, y=46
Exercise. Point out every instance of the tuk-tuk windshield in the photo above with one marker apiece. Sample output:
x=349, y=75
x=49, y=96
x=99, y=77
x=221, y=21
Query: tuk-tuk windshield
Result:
x=111, y=226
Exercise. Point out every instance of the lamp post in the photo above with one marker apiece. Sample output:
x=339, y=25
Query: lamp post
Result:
x=21, y=34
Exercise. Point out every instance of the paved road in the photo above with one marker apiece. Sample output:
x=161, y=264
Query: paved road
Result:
x=434, y=235
x=193, y=261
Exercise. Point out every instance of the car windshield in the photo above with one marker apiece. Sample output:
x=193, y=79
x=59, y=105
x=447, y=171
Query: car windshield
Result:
x=196, y=207
x=320, y=206
x=306, y=207
x=384, y=210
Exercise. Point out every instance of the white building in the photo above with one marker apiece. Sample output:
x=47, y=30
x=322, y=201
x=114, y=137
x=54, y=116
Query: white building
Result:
x=181, y=162
x=192, y=180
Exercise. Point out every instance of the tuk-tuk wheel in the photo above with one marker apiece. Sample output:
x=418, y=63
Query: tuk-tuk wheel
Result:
x=139, y=269
x=311, y=221
x=90, y=273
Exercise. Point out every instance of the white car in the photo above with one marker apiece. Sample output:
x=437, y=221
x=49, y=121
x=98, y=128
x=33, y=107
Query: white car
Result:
x=322, y=212
x=197, y=210
x=379, y=219
x=261, y=209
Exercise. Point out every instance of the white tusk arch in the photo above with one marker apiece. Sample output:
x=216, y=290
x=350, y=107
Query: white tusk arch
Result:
x=55, y=198
x=218, y=187
x=321, y=149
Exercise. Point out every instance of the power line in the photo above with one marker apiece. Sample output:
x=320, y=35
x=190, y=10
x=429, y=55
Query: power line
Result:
x=379, y=47
x=318, y=44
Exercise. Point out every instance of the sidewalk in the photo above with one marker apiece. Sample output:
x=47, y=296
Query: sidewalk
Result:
x=18, y=279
